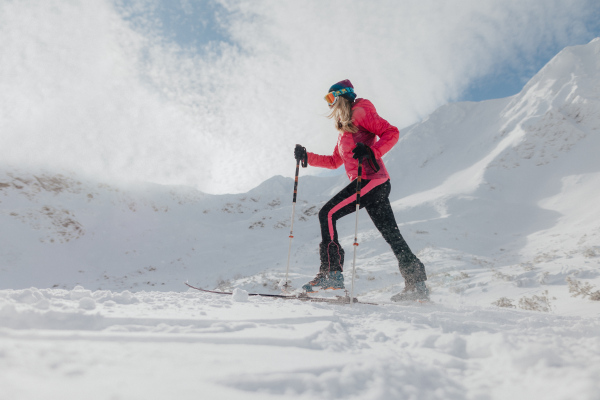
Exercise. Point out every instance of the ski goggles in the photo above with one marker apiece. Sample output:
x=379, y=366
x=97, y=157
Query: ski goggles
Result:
x=331, y=97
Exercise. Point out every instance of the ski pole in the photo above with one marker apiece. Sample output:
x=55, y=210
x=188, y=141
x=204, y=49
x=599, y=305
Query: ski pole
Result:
x=358, y=188
x=287, y=268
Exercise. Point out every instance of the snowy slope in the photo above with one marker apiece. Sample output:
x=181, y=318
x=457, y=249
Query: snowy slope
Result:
x=61, y=230
x=498, y=198
x=513, y=181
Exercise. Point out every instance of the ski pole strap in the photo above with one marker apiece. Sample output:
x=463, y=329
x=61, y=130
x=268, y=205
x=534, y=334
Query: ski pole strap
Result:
x=372, y=160
x=374, y=164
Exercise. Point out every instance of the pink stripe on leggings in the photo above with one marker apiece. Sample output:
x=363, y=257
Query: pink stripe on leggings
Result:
x=371, y=185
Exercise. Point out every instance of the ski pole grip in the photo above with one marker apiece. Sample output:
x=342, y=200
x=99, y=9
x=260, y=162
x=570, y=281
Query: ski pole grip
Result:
x=303, y=156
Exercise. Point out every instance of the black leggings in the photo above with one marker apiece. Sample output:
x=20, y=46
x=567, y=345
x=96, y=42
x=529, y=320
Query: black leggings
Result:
x=375, y=198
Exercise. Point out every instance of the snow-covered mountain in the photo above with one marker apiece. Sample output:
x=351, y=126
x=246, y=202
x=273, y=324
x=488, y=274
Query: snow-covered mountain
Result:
x=60, y=230
x=502, y=189
x=506, y=167
x=499, y=199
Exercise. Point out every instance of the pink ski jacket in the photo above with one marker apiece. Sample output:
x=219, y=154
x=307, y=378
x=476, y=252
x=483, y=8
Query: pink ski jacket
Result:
x=370, y=127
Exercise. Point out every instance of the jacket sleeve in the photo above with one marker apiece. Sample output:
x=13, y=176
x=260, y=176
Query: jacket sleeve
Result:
x=333, y=161
x=388, y=134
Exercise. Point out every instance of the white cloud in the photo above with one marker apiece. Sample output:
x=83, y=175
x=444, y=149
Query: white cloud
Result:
x=84, y=87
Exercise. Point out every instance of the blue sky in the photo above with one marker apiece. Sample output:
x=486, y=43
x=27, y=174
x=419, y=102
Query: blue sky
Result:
x=159, y=90
x=508, y=81
x=197, y=24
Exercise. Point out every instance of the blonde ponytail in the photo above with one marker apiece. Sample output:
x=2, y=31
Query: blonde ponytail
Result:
x=341, y=113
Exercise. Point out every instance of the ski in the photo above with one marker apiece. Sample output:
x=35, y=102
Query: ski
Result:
x=279, y=296
x=301, y=296
x=407, y=303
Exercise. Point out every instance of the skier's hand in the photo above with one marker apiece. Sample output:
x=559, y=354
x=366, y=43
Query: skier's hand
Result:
x=299, y=152
x=361, y=150
x=300, y=155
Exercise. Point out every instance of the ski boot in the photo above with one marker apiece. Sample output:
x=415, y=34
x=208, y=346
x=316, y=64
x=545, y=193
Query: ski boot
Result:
x=413, y=292
x=321, y=280
x=336, y=281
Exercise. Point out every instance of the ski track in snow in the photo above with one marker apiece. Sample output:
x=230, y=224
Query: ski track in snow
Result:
x=104, y=345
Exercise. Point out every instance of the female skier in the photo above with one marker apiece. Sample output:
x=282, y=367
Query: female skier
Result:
x=362, y=134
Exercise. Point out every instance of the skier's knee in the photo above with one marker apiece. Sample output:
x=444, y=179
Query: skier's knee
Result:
x=323, y=215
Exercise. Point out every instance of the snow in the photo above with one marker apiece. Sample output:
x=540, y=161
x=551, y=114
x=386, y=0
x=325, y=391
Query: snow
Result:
x=189, y=344
x=498, y=198
x=239, y=295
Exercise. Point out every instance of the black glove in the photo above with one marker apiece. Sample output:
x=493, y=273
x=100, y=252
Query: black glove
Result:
x=363, y=151
x=300, y=155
